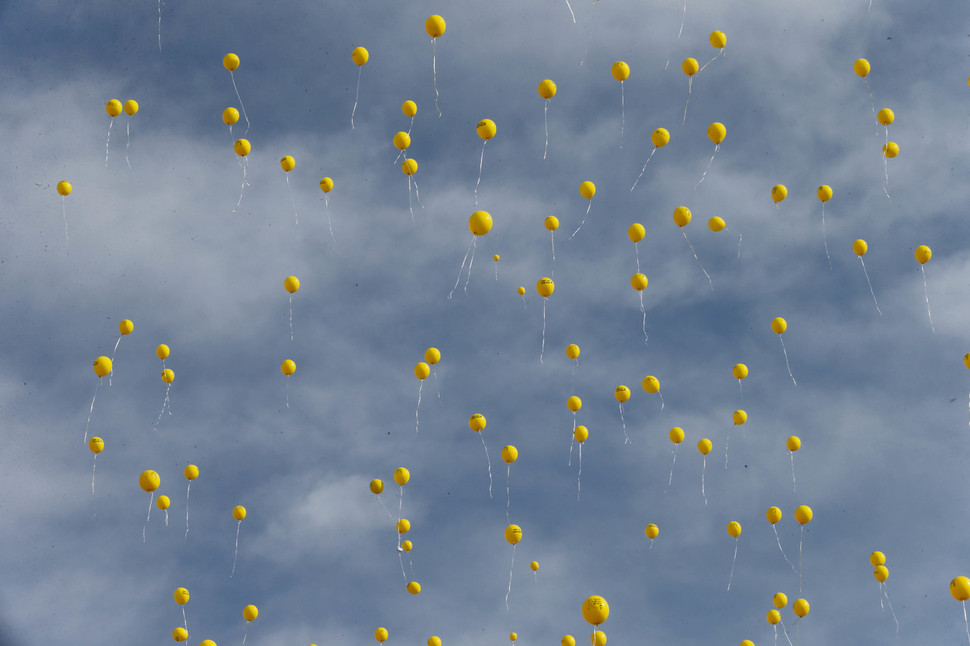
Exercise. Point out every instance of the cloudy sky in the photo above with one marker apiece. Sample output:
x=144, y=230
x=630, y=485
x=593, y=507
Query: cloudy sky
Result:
x=880, y=405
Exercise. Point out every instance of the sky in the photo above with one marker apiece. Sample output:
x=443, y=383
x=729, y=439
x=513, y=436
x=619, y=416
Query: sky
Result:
x=167, y=227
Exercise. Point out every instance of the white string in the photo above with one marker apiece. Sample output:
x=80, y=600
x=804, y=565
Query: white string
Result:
x=434, y=73
x=623, y=421
x=545, y=118
x=584, y=219
x=187, y=490
x=683, y=18
x=471, y=261
x=91, y=410
x=698, y=259
x=690, y=84
x=144, y=530
x=159, y=26
x=508, y=492
x=644, y=312
x=801, y=536
x=236, y=552
x=791, y=454
x=644, y=169
x=825, y=240
x=356, y=96
x=245, y=116
x=870, y=285
x=703, y=471
x=872, y=105
x=460, y=269
x=636, y=251
x=579, y=476
x=420, y=386
x=489, y=462
x=709, y=163
x=571, y=11
x=727, y=441
x=965, y=620
x=296, y=216
x=737, y=543
x=783, y=349
x=778, y=540
x=552, y=237
x=670, y=478
x=542, y=348
x=93, y=471
x=509, y=591
x=885, y=593
x=245, y=182
x=165, y=403
x=185, y=622
x=660, y=392
x=67, y=238
x=481, y=163
x=622, y=113
x=127, y=142
x=108, y=142
x=326, y=201
x=927, y=295
x=291, y=317
x=719, y=53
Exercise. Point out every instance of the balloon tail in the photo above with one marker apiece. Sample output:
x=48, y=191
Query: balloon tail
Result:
x=571, y=442
x=246, y=629
x=410, y=204
x=108, y=142
x=885, y=186
x=644, y=169
x=661, y=399
x=286, y=395
x=356, y=96
x=296, y=216
x=187, y=490
x=471, y=261
x=245, y=116
x=545, y=118
x=703, y=471
x=159, y=26
x=418, y=407
x=434, y=376
x=127, y=142
x=741, y=391
x=386, y=510
x=737, y=543
x=579, y=476
x=785, y=630
x=400, y=557
x=245, y=181
x=885, y=593
x=965, y=620
x=112, y=360
x=94, y=469
x=410, y=126
x=926, y=293
x=417, y=193
x=791, y=454
x=166, y=518
x=91, y=411
x=588, y=207
x=571, y=11
x=801, y=536
x=694, y=253
x=825, y=240
x=683, y=19
x=739, y=246
x=488, y=461
x=542, y=348
x=434, y=75
x=508, y=492
x=509, y=591
x=166, y=403
x=690, y=84
x=496, y=272
x=236, y=551
x=552, y=238
x=727, y=442
x=872, y=105
x=185, y=623
x=291, y=317
x=326, y=201
x=670, y=478
x=709, y=163
x=481, y=164
x=144, y=530
x=622, y=113
x=778, y=540
x=636, y=251
x=67, y=238
x=462, y=268
x=716, y=56
x=787, y=365
x=626, y=437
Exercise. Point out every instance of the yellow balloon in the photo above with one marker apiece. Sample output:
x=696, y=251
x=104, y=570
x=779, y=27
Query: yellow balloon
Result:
x=801, y=607
x=676, y=435
x=407, y=546
x=587, y=189
x=773, y=617
x=414, y=587
x=881, y=573
x=705, y=446
x=402, y=476
x=480, y=223
x=291, y=284
x=885, y=116
x=595, y=610
x=660, y=137
x=432, y=355
x=360, y=55
x=181, y=596
x=779, y=325
x=650, y=384
x=381, y=634
x=403, y=526
x=718, y=39
x=102, y=366
x=636, y=232
x=435, y=26
x=890, y=149
x=230, y=116
x=740, y=371
x=620, y=71
x=168, y=375
x=734, y=528
x=681, y=216
x=409, y=166
x=163, y=502
x=434, y=640
x=376, y=486
x=191, y=472
x=779, y=192
x=149, y=480
x=860, y=247
x=746, y=642
x=652, y=531
x=551, y=222
x=162, y=351
x=966, y=360
x=793, y=443
x=422, y=370
x=64, y=188
x=572, y=351
x=96, y=445
x=477, y=422
x=513, y=636
x=510, y=454
x=402, y=140
x=923, y=254
x=180, y=634
x=239, y=512
x=287, y=163
x=638, y=282
x=288, y=367
x=567, y=640
x=521, y=290
x=773, y=514
x=547, y=89
x=581, y=434
x=534, y=566
x=250, y=612
x=131, y=107
x=242, y=147
x=113, y=107
x=598, y=638
x=803, y=514
x=230, y=61
x=409, y=108
x=207, y=642
x=716, y=224
x=574, y=403
x=622, y=393
x=716, y=132
x=486, y=129
x=861, y=67
x=326, y=184
x=739, y=417
x=824, y=193
x=877, y=559
x=960, y=588
x=513, y=534
x=690, y=66
x=126, y=327
x=545, y=287
x=780, y=600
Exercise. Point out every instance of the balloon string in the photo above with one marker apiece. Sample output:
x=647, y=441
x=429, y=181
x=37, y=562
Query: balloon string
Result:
x=787, y=365
x=739, y=246
x=552, y=238
x=165, y=404
x=245, y=116
x=644, y=169
x=683, y=18
x=872, y=105
x=703, y=471
x=434, y=74
x=885, y=186
x=286, y=396
x=622, y=113
x=496, y=272
x=185, y=622
x=690, y=84
x=144, y=530
x=709, y=163
x=661, y=399
x=825, y=240
x=571, y=11
x=159, y=26
x=296, y=216
x=775, y=626
x=236, y=551
x=508, y=492
x=791, y=454
x=166, y=517
x=778, y=540
x=885, y=593
x=542, y=348
x=246, y=629
x=741, y=391
x=579, y=476
x=670, y=478
x=801, y=536
x=471, y=261
x=242, y=186
x=93, y=471
x=386, y=510
x=410, y=204
x=571, y=442
x=965, y=620
x=636, y=251
x=487, y=461
x=870, y=285
x=784, y=629
x=460, y=269
x=727, y=442
x=187, y=490
x=356, y=96
x=434, y=376
x=420, y=386
x=927, y=295
x=694, y=253
x=716, y=56
x=737, y=543
x=400, y=557
x=643, y=325
x=291, y=317
x=326, y=201
x=128, y=142
x=67, y=238
x=545, y=118
x=509, y=591
x=623, y=422
x=481, y=163
x=113, y=359
x=91, y=411
x=108, y=142
x=410, y=126
x=588, y=207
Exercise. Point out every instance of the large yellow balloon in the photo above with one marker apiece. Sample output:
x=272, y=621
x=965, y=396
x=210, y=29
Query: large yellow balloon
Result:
x=513, y=534
x=477, y=422
x=860, y=247
x=780, y=600
x=676, y=435
x=513, y=636
x=779, y=192
x=877, y=559
x=718, y=39
x=705, y=446
x=581, y=434
x=126, y=327
x=242, y=147
x=409, y=108
x=650, y=384
x=746, y=642
x=547, y=89
x=102, y=366
x=636, y=232
x=162, y=351
x=168, y=375
x=881, y=573
x=682, y=216
x=660, y=137
x=402, y=140
x=360, y=55
x=64, y=188
x=824, y=193
x=793, y=443
x=291, y=284
x=422, y=370
x=574, y=403
x=230, y=116
x=923, y=254
x=572, y=351
x=567, y=640
x=716, y=132
x=734, y=528
x=740, y=371
x=690, y=66
x=181, y=596
x=131, y=107
x=773, y=514
x=652, y=531
x=113, y=107
x=432, y=355
x=596, y=610
x=230, y=61
x=191, y=472
x=534, y=566
x=587, y=189
x=480, y=223
x=376, y=486
x=890, y=149
x=434, y=640
x=288, y=367
x=773, y=617
x=803, y=514
x=287, y=163
x=250, y=612
x=435, y=26
x=739, y=417
x=326, y=184
x=407, y=546
x=779, y=325
x=716, y=224
x=960, y=588
x=402, y=476
x=149, y=480
x=885, y=116
x=510, y=454
x=409, y=166
x=180, y=634
x=800, y=607
x=620, y=71
x=403, y=526
x=239, y=512
x=638, y=282
x=622, y=393
x=545, y=287
x=381, y=634
x=861, y=67
x=96, y=444
x=486, y=129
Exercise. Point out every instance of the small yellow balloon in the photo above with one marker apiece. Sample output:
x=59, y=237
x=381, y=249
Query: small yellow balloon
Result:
x=509, y=454
x=422, y=370
x=598, y=638
x=520, y=290
x=409, y=108
x=885, y=116
x=739, y=417
x=545, y=287
x=239, y=512
x=960, y=588
x=162, y=351
x=288, y=367
x=402, y=476
x=513, y=636
x=716, y=224
x=403, y=526
x=113, y=107
x=376, y=486
x=64, y=188
x=102, y=366
x=881, y=573
x=149, y=480
x=486, y=129
x=360, y=55
x=180, y=634
x=287, y=163
x=168, y=375
x=581, y=434
x=652, y=531
x=131, y=107
x=923, y=254
x=690, y=66
x=793, y=443
x=534, y=566
x=773, y=617
x=435, y=26
x=622, y=393
x=890, y=149
x=291, y=284
x=718, y=39
x=402, y=140
x=477, y=422
x=773, y=514
x=650, y=384
x=780, y=600
x=230, y=61
x=513, y=534
x=676, y=435
x=779, y=192
x=734, y=529
x=877, y=558
x=636, y=232
x=860, y=247
x=551, y=222
x=740, y=371
x=574, y=403
x=861, y=67
x=638, y=282
x=800, y=607
x=126, y=327
x=381, y=634
x=803, y=514
x=96, y=444
x=595, y=610
x=181, y=596
x=407, y=546
x=326, y=184
x=824, y=193
x=230, y=116
x=242, y=147
x=409, y=166
x=547, y=89
x=587, y=189
x=434, y=640
x=779, y=325
x=191, y=472
x=660, y=137
x=163, y=502
x=432, y=355
x=480, y=223
x=716, y=132
x=682, y=216
x=620, y=71
x=705, y=446
x=414, y=587
x=572, y=351
x=207, y=642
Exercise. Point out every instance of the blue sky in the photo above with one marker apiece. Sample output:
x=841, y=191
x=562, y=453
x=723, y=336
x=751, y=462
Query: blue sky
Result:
x=881, y=403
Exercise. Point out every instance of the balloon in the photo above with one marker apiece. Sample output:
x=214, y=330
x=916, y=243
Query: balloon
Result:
x=435, y=26
x=574, y=403
x=801, y=607
x=716, y=224
x=287, y=163
x=803, y=514
x=881, y=573
x=242, y=147
x=409, y=108
x=824, y=193
x=690, y=66
x=793, y=443
x=581, y=433
x=163, y=502
x=113, y=107
x=923, y=254
x=534, y=566
x=207, y=642
x=422, y=370
x=510, y=454
x=380, y=634
x=409, y=166
x=587, y=189
x=496, y=257
x=360, y=55
x=376, y=485
x=432, y=355
x=740, y=371
x=149, y=481
x=638, y=282
x=414, y=587
x=890, y=149
x=734, y=529
x=191, y=472
x=960, y=588
x=230, y=116
x=551, y=222
x=652, y=531
x=676, y=435
x=486, y=129
x=779, y=192
x=739, y=417
x=860, y=247
x=885, y=116
x=181, y=596
x=407, y=546
x=180, y=634
x=572, y=351
x=131, y=107
x=620, y=71
x=521, y=290
x=168, y=375
x=567, y=640
x=96, y=445
x=434, y=641
x=480, y=223
x=861, y=67
x=326, y=184
x=401, y=476
x=126, y=327
x=545, y=287
x=660, y=137
x=64, y=188
x=403, y=526
x=239, y=512
x=773, y=514
x=622, y=393
x=650, y=384
x=291, y=284
x=288, y=367
x=402, y=140
x=779, y=325
x=877, y=559
x=598, y=638
x=636, y=232
x=162, y=351
x=718, y=39
x=773, y=617
x=596, y=610
x=746, y=642
x=704, y=446
x=547, y=89
x=230, y=61
x=477, y=422
x=681, y=216
x=513, y=534
x=716, y=132
x=102, y=366
x=513, y=636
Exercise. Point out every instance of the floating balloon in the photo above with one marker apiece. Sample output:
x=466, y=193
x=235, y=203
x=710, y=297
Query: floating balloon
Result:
x=885, y=116
x=881, y=573
x=435, y=26
x=191, y=472
x=587, y=189
x=800, y=607
x=402, y=476
x=360, y=56
x=288, y=367
x=824, y=194
x=421, y=371
x=778, y=326
x=595, y=610
x=113, y=108
x=651, y=384
x=923, y=255
x=620, y=71
x=131, y=109
x=567, y=640
x=739, y=417
x=716, y=132
x=690, y=67
x=414, y=587
x=96, y=446
x=682, y=217
x=149, y=481
x=513, y=636
x=659, y=139
x=651, y=531
x=231, y=62
x=597, y=638
x=639, y=283
x=778, y=193
x=180, y=634
x=477, y=423
x=622, y=394
x=403, y=526
x=860, y=248
x=890, y=149
x=544, y=287
x=704, y=446
x=547, y=90
x=773, y=514
x=573, y=350
x=734, y=531
x=163, y=503
x=509, y=455
x=381, y=634
x=376, y=486
x=239, y=513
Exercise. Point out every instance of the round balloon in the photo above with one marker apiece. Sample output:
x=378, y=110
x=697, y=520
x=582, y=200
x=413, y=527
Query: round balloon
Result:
x=486, y=129
x=376, y=485
x=163, y=502
x=547, y=89
x=242, y=147
x=718, y=39
x=793, y=443
x=191, y=472
x=800, y=607
x=621, y=393
x=923, y=254
x=551, y=222
x=690, y=66
x=513, y=534
x=477, y=422
x=102, y=366
x=773, y=617
x=597, y=638
x=682, y=216
x=409, y=108
x=716, y=132
x=409, y=166
x=581, y=434
x=230, y=61
x=168, y=375
x=572, y=351
x=126, y=327
x=803, y=514
x=230, y=116
x=650, y=384
x=402, y=140
x=480, y=223
x=291, y=284
x=824, y=193
x=716, y=224
x=288, y=367
x=131, y=107
x=414, y=587
x=885, y=116
x=779, y=192
x=734, y=528
x=435, y=26
x=860, y=247
x=432, y=355
x=620, y=71
x=652, y=531
x=239, y=512
x=595, y=610
x=676, y=435
x=779, y=325
x=567, y=640
x=181, y=596
x=326, y=184
x=740, y=371
x=545, y=287
x=96, y=445
x=780, y=600
x=287, y=163
x=149, y=480
x=381, y=634
x=638, y=282
x=890, y=149
x=534, y=566
x=587, y=189
x=660, y=137
x=250, y=612
x=180, y=634
x=739, y=417
x=960, y=588
x=64, y=188
x=705, y=446
x=403, y=526
x=113, y=107
x=401, y=476
x=881, y=573
x=510, y=454
x=877, y=559
x=773, y=514
x=861, y=67
x=574, y=403
x=422, y=370
x=360, y=55
x=636, y=232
